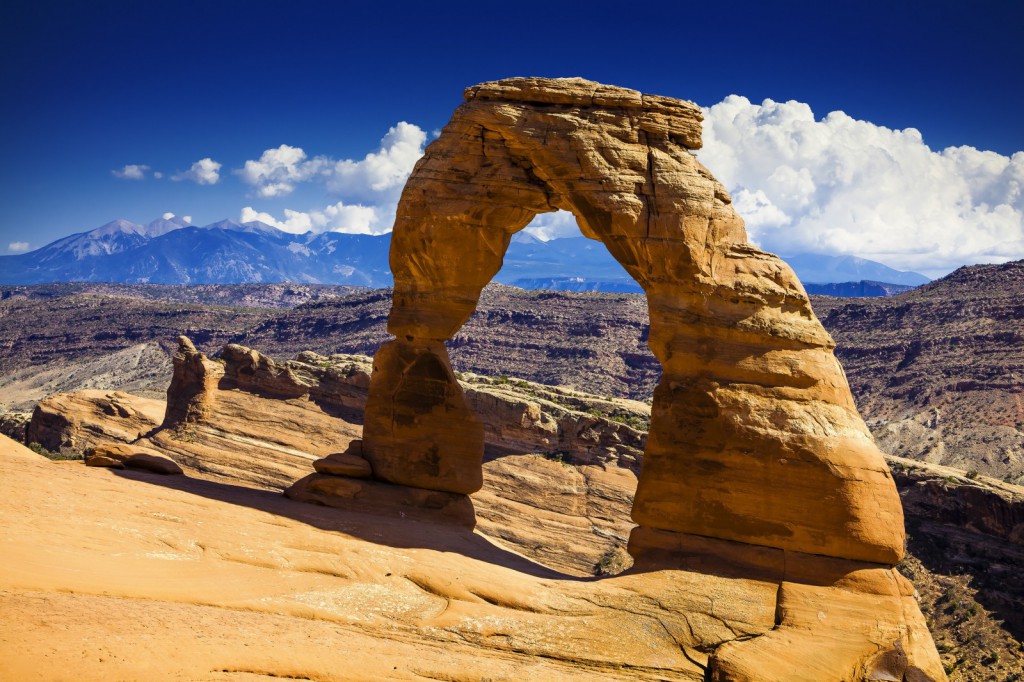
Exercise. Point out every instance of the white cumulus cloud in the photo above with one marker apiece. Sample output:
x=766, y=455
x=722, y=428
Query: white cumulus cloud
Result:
x=369, y=187
x=843, y=186
x=339, y=217
x=548, y=226
x=383, y=171
x=132, y=171
x=377, y=178
x=203, y=172
x=18, y=247
x=277, y=171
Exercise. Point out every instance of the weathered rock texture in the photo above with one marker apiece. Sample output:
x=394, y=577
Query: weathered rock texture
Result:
x=191, y=390
x=569, y=511
x=753, y=424
x=121, y=456
x=74, y=422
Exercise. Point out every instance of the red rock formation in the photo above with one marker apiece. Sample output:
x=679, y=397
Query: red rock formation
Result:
x=193, y=384
x=756, y=448
x=753, y=423
x=75, y=422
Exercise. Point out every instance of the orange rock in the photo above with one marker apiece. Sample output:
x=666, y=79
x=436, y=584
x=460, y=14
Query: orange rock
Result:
x=75, y=422
x=193, y=385
x=754, y=437
x=418, y=429
x=121, y=456
x=350, y=463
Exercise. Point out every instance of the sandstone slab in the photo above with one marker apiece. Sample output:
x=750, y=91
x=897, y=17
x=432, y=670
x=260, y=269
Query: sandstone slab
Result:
x=375, y=497
x=343, y=464
x=74, y=422
x=121, y=456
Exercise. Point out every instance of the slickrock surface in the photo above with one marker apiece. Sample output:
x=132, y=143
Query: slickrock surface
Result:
x=572, y=516
x=137, y=565
x=754, y=436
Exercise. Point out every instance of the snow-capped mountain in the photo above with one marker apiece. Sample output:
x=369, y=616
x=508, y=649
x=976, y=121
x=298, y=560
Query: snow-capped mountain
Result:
x=172, y=251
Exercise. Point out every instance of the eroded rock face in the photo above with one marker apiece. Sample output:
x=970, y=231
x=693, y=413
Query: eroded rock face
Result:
x=754, y=437
x=193, y=385
x=419, y=430
x=75, y=422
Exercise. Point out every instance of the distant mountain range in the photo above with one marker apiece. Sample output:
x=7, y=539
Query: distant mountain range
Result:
x=171, y=251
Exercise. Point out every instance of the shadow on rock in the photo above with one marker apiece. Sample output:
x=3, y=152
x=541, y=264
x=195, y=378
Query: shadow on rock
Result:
x=401, y=529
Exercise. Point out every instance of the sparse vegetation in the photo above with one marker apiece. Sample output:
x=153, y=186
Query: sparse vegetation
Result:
x=56, y=456
x=185, y=432
x=631, y=420
x=614, y=561
x=560, y=457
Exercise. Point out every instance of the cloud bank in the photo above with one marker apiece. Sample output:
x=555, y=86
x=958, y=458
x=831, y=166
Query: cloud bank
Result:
x=338, y=217
x=843, y=186
x=277, y=171
x=19, y=247
x=369, y=187
x=835, y=185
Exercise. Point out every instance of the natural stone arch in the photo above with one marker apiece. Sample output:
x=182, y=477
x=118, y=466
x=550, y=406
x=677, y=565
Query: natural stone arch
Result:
x=754, y=436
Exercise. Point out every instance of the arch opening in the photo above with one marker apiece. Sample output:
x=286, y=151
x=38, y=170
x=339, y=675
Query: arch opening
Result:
x=754, y=435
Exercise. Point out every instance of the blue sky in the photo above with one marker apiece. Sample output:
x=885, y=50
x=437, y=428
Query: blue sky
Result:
x=90, y=88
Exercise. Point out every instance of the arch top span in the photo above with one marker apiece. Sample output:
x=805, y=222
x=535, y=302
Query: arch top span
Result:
x=754, y=437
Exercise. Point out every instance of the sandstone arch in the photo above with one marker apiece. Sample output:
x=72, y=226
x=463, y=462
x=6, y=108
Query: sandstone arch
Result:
x=754, y=437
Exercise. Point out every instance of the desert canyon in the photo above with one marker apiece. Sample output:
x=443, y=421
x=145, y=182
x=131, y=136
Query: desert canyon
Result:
x=456, y=527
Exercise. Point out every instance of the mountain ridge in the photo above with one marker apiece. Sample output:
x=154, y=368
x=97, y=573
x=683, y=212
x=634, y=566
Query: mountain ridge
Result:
x=174, y=251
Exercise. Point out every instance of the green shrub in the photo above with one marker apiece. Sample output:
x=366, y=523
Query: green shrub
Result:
x=40, y=450
x=561, y=457
x=56, y=456
x=612, y=562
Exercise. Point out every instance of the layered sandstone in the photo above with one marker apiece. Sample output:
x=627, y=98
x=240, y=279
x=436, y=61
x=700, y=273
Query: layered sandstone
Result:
x=192, y=385
x=72, y=423
x=753, y=423
x=144, y=564
x=568, y=513
x=127, y=456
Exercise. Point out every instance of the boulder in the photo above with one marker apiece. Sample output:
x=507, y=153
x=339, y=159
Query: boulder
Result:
x=350, y=463
x=125, y=456
x=75, y=422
